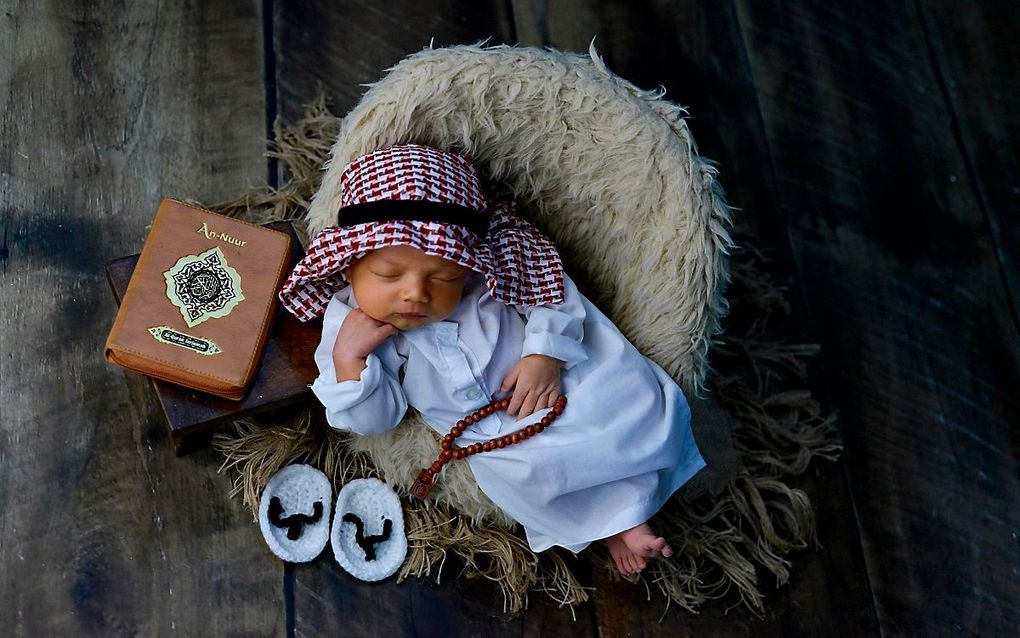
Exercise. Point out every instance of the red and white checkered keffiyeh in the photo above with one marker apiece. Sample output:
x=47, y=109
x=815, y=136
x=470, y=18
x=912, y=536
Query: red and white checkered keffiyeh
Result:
x=440, y=201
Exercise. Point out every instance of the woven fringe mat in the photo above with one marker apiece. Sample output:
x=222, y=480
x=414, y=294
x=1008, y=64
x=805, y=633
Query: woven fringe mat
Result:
x=720, y=540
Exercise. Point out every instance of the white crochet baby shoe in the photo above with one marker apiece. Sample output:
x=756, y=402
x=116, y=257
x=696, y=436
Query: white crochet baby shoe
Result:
x=368, y=530
x=294, y=513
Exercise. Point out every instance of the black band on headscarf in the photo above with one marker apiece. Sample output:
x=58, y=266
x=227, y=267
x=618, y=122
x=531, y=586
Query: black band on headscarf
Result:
x=419, y=210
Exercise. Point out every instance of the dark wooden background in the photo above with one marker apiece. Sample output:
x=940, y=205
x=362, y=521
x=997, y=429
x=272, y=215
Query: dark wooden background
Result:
x=872, y=147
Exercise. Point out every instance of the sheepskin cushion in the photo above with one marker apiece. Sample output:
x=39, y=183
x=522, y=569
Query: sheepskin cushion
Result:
x=608, y=171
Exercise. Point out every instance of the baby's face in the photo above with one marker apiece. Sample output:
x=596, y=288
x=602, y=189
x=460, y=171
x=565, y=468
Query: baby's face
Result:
x=406, y=288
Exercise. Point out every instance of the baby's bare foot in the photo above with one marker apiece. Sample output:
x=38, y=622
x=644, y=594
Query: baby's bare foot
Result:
x=642, y=541
x=625, y=559
x=630, y=548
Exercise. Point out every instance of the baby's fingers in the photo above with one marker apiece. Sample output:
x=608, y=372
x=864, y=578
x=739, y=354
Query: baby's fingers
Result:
x=528, y=406
x=523, y=402
x=510, y=381
x=549, y=399
x=515, y=401
x=380, y=333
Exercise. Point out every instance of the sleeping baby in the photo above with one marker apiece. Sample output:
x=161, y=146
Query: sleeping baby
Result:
x=433, y=297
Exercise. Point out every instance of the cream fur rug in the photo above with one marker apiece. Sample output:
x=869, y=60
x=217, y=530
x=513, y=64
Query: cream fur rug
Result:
x=611, y=174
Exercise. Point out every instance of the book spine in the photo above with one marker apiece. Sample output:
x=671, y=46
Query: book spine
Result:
x=140, y=268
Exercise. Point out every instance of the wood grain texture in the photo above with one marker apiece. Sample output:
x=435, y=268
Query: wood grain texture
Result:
x=331, y=602
x=695, y=51
x=976, y=57
x=103, y=113
x=343, y=45
x=901, y=274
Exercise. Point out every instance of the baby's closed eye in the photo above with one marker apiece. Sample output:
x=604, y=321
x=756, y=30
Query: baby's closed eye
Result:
x=439, y=278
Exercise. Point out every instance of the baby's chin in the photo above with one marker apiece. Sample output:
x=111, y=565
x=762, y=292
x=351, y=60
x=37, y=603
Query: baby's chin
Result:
x=408, y=323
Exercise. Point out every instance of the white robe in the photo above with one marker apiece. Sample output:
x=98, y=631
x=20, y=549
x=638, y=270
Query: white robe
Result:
x=621, y=447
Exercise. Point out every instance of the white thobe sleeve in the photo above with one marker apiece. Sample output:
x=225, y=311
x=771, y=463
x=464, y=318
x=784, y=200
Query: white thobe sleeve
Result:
x=371, y=404
x=556, y=330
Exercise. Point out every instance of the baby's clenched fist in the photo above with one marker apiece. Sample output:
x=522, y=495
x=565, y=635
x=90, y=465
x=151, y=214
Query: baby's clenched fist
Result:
x=359, y=335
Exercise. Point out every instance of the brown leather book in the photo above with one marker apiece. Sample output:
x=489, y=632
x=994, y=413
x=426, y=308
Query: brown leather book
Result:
x=200, y=303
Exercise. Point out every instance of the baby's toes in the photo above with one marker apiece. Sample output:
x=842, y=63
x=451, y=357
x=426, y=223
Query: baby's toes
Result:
x=625, y=566
x=619, y=564
x=629, y=566
x=636, y=564
x=658, y=546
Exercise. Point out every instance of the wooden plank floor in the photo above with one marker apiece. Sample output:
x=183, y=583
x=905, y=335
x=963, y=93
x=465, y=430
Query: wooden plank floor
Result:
x=102, y=113
x=871, y=147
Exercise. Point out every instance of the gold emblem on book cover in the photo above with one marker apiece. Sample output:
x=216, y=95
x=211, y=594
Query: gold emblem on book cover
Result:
x=203, y=286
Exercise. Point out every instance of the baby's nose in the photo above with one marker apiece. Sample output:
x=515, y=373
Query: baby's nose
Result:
x=416, y=293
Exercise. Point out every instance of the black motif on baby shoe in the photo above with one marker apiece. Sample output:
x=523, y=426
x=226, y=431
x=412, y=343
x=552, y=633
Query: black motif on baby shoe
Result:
x=367, y=533
x=294, y=522
x=294, y=512
x=368, y=543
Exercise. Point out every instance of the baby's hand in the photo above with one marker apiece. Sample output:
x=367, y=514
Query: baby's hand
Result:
x=359, y=335
x=535, y=381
